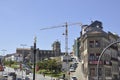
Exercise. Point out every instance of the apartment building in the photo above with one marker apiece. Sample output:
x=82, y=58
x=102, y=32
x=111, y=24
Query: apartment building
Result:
x=76, y=47
x=93, y=40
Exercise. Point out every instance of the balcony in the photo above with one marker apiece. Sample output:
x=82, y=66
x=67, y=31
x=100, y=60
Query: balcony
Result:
x=114, y=59
x=95, y=62
x=108, y=63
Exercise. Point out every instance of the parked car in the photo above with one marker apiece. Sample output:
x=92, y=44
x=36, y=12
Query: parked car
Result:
x=74, y=78
x=18, y=79
x=12, y=74
x=74, y=65
x=5, y=75
x=72, y=69
x=27, y=78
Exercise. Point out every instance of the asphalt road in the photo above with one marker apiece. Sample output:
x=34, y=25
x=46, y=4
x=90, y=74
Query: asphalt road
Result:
x=22, y=74
x=78, y=72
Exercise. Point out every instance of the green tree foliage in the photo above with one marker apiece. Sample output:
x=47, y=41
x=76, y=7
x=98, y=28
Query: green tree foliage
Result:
x=50, y=65
x=8, y=62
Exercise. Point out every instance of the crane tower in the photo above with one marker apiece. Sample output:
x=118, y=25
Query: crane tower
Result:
x=66, y=33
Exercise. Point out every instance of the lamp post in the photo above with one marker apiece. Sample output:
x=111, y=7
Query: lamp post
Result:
x=34, y=58
x=23, y=45
x=118, y=41
x=3, y=50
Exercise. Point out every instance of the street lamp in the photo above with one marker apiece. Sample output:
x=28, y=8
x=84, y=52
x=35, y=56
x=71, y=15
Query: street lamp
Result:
x=34, y=57
x=23, y=45
x=118, y=41
x=3, y=50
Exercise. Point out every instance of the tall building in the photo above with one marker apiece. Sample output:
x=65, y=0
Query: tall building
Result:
x=93, y=40
x=76, y=47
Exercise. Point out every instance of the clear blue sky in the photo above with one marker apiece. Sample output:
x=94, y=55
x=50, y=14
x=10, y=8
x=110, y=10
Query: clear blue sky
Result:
x=21, y=20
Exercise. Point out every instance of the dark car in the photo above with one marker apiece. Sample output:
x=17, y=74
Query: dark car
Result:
x=27, y=78
x=12, y=74
x=18, y=79
x=74, y=78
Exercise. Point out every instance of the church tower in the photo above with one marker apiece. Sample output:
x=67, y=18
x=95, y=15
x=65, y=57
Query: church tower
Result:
x=56, y=48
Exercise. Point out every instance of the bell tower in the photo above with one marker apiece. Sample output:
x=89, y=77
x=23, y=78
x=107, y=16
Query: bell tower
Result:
x=56, y=48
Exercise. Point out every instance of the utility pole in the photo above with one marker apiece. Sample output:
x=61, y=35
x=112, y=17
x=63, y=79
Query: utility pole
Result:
x=34, y=58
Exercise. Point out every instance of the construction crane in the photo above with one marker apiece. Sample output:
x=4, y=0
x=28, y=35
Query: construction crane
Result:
x=66, y=56
x=66, y=32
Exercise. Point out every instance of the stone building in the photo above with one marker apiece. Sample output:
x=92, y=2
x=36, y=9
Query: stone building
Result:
x=24, y=54
x=93, y=40
x=46, y=54
x=27, y=53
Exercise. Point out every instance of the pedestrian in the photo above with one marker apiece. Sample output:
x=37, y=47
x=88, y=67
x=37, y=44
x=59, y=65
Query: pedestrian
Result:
x=44, y=74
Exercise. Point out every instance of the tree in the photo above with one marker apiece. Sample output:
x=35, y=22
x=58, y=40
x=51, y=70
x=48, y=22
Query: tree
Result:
x=50, y=65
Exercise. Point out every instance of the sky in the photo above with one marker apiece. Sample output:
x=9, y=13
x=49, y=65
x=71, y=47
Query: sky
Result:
x=22, y=20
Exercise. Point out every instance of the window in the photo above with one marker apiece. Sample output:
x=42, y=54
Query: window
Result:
x=97, y=43
x=92, y=71
x=94, y=43
x=107, y=72
x=100, y=71
x=97, y=56
x=114, y=67
x=91, y=57
x=91, y=44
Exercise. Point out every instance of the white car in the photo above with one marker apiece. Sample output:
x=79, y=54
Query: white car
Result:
x=5, y=74
x=72, y=69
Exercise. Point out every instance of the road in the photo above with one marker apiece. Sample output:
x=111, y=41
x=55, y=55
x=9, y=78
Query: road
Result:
x=78, y=72
x=20, y=73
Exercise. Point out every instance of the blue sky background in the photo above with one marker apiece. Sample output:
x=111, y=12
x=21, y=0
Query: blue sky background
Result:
x=21, y=20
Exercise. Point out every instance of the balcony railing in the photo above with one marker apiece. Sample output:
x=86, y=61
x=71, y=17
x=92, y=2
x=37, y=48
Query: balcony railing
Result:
x=109, y=63
x=114, y=59
x=95, y=62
